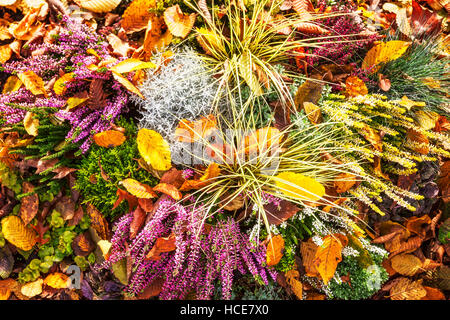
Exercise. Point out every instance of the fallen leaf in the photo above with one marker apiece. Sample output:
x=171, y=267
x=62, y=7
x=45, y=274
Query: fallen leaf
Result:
x=32, y=289
x=433, y=294
x=162, y=245
x=406, y=264
x=57, y=280
x=109, y=138
x=32, y=82
x=308, y=251
x=344, y=182
x=191, y=131
x=275, y=250
x=278, y=214
x=83, y=245
x=178, y=23
x=296, y=285
x=154, y=149
x=137, y=189
x=406, y=289
x=136, y=15
x=168, y=189
x=299, y=186
x=98, y=6
x=59, y=86
x=328, y=255
x=210, y=173
x=98, y=222
x=384, y=52
x=312, y=112
x=354, y=86
x=17, y=233
x=139, y=216
x=29, y=206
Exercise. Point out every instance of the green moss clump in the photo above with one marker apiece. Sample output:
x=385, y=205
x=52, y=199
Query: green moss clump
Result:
x=363, y=282
x=118, y=163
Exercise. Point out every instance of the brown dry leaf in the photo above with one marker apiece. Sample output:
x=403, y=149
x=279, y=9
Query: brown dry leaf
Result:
x=33, y=82
x=98, y=222
x=315, y=296
x=98, y=6
x=405, y=289
x=418, y=225
x=278, y=214
x=136, y=16
x=7, y=286
x=168, y=189
x=173, y=177
x=29, y=206
x=152, y=290
x=162, y=245
x=384, y=83
x=124, y=195
x=410, y=245
x=191, y=131
x=302, y=7
x=296, y=285
x=406, y=264
x=275, y=249
x=308, y=251
x=24, y=29
x=109, y=138
x=328, y=255
x=120, y=47
x=31, y=124
x=137, y=189
x=433, y=294
x=178, y=23
x=444, y=181
x=17, y=233
x=211, y=172
x=354, y=86
x=154, y=149
x=32, y=289
x=309, y=91
x=236, y=203
x=344, y=182
x=310, y=28
x=139, y=216
x=5, y=53
x=57, y=280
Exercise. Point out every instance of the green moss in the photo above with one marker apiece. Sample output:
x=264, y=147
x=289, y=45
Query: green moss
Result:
x=118, y=163
x=363, y=282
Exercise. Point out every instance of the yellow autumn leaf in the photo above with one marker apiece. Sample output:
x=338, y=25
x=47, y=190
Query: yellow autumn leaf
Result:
x=33, y=82
x=154, y=149
x=98, y=6
x=74, y=102
x=426, y=119
x=57, y=280
x=109, y=138
x=328, y=255
x=245, y=64
x=178, y=23
x=60, y=85
x=354, y=86
x=406, y=264
x=127, y=84
x=129, y=65
x=15, y=231
x=31, y=124
x=104, y=246
x=313, y=112
x=384, y=52
x=32, y=289
x=406, y=289
x=137, y=189
x=408, y=103
x=12, y=84
x=299, y=186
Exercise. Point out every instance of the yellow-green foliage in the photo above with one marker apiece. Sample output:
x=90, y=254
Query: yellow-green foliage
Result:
x=391, y=121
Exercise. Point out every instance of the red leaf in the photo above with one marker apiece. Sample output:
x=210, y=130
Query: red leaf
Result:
x=41, y=230
x=125, y=195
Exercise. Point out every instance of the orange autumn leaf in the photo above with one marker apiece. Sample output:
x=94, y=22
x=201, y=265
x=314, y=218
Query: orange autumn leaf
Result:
x=109, y=138
x=138, y=189
x=417, y=141
x=33, y=82
x=373, y=136
x=433, y=294
x=295, y=284
x=384, y=52
x=191, y=131
x=210, y=173
x=275, y=249
x=16, y=232
x=12, y=83
x=57, y=280
x=162, y=245
x=137, y=14
x=328, y=255
x=308, y=251
x=168, y=189
x=344, y=182
x=262, y=139
x=7, y=286
x=179, y=24
x=354, y=86
x=5, y=53
x=98, y=222
x=313, y=112
x=25, y=28
x=154, y=39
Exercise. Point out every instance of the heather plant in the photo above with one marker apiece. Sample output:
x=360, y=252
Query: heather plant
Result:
x=399, y=149
x=102, y=169
x=203, y=253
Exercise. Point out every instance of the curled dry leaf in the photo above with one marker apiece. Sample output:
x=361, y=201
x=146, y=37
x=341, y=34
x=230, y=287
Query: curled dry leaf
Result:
x=295, y=284
x=154, y=149
x=109, y=138
x=211, y=172
x=344, y=182
x=17, y=233
x=178, y=23
x=312, y=112
x=275, y=250
x=137, y=189
x=162, y=245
